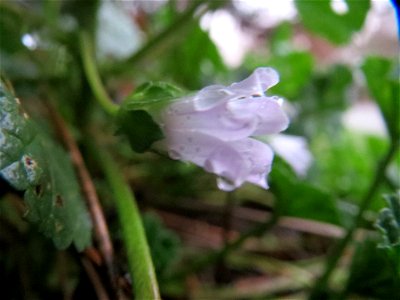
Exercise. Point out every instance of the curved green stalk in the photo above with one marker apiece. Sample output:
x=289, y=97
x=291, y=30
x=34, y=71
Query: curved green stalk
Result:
x=139, y=258
x=92, y=74
x=322, y=283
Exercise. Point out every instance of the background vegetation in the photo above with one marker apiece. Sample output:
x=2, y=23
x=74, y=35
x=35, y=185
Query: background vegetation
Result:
x=73, y=194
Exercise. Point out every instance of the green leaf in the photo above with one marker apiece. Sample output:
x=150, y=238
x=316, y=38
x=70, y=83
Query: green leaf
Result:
x=195, y=65
x=31, y=162
x=11, y=30
x=152, y=94
x=320, y=18
x=295, y=70
x=388, y=222
x=164, y=243
x=135, y=116
x=372, y=273
x=139, y=128
x=384, y=86
x=300, y=198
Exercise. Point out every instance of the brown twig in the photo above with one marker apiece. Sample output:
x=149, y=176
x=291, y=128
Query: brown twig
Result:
x=99, y=223
x=95, y=279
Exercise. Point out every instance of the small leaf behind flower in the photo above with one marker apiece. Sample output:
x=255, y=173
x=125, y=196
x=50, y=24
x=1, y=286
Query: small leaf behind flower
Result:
x=135, y=117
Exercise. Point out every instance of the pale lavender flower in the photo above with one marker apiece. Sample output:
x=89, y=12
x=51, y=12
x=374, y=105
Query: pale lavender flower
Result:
x=294, y=150
x=214, y=129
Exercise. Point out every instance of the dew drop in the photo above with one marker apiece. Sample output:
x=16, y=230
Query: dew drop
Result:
x=225, y=184
x=174, y=154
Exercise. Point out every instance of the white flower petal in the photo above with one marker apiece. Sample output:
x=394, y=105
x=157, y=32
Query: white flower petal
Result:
x=257, y=83
x=266, y=110
x=294, y=150
x=218, y=122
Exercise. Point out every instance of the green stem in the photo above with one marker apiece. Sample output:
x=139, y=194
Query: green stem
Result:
x=139, y=258
x=155, y=41
x=321, y=284
x=92, y=74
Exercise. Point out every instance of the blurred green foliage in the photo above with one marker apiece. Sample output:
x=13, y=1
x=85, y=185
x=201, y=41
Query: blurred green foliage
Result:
x=40, y=56
x=321, y=18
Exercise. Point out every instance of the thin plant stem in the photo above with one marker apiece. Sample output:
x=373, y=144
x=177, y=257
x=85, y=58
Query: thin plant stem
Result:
x=92, y=74
x=138, y=253
x=158, y=39
x=101, y=230
x=333, y=258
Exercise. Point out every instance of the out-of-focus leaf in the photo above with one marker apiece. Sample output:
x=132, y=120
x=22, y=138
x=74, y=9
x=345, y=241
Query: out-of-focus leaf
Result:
x=388, y=222
x=197, y=58
x=295, y=70
x=134, y=120
x=322, y=101
x=11, y=31
x=31, y=162
x=85, y=13
x=164, y=244
x=344, y=162
x=372, y=273
x=280, y=42
x=300, y=198
x=384, y=86
x=320, y=18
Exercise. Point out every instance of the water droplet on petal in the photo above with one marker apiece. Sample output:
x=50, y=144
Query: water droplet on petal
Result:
x=174, y=154
x=225, y=184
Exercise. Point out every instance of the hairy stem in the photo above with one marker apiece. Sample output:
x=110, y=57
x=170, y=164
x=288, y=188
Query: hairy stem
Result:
x=139, y=258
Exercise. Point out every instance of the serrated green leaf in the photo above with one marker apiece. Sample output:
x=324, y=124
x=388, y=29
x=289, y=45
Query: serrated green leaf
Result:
x=388, y=222
x=150, y=95
x=134, y=119
x=31, y=162
x=320, y=18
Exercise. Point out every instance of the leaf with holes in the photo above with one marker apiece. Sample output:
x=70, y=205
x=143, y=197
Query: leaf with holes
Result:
x=30, y=161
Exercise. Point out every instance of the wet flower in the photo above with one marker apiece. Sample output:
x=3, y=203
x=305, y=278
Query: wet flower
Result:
x=215, y=129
